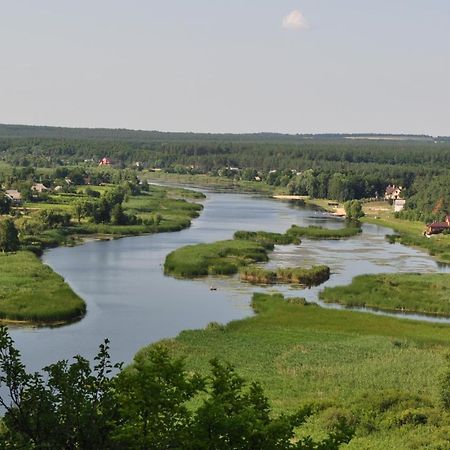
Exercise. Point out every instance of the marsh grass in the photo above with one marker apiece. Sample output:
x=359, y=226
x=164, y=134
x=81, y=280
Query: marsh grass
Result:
x=409, y=292
x=218, y=258
x=31, y=291
x=382, y=371
x=312, y=276
x=267, y=239
x=316, y=232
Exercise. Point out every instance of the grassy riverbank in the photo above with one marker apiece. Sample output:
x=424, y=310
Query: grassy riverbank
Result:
x=380, y=373
x=32, y=292
x=159, y=210
x=411, y=292
x=408, y=232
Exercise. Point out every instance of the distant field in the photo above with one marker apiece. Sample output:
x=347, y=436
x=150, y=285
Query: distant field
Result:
x=31, y=291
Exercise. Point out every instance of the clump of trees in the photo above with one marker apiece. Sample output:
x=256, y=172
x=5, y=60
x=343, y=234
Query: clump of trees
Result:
x=353, y=210
x=106, y=209
x=5, y=204
x=9, y=236
x=428, y=199
x=154, y=404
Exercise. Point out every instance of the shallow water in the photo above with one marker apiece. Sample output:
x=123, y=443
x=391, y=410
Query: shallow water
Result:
x=132, y=303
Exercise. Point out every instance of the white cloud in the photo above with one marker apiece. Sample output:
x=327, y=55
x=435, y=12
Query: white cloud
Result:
x=295, y=20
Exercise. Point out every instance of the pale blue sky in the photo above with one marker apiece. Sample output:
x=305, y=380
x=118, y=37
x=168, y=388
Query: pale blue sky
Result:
x=227, y=66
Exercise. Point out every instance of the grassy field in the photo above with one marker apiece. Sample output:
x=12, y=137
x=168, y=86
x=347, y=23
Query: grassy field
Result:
x=31, y=291
x=218, y=258
x=312, y=276
x=379, y=373
x=423, y=293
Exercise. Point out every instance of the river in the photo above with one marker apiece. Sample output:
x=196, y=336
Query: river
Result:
x=131, y=302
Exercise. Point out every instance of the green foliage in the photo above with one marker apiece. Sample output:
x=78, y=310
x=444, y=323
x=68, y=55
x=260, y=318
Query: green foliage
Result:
x=353, y=209
x=5, y=203
x=9, y=240
x=428, y=199
x=71, y=407
x=154, y=404
x=54, y=218
x=424, y=293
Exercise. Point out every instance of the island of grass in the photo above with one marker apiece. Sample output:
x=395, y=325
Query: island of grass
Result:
x=315, y=232
x=290, y=275
x=249, y=247
x=268, y=239
x=408, y=292
x=218, y=258
x=31, y=292
x=378, y=374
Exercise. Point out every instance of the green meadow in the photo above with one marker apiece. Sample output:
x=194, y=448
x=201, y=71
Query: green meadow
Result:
x=409, y=292
x=379, y=374
x=30, y=291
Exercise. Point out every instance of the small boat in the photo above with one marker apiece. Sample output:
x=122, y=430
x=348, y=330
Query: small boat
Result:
x=212, y=288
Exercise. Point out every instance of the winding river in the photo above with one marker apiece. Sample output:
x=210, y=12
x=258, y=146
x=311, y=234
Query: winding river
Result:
x=132, y=303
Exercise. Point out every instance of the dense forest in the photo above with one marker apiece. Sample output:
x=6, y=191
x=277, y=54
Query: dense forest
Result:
x=341, y=167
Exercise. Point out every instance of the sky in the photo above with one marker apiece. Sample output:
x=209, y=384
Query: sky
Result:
x=290, y=66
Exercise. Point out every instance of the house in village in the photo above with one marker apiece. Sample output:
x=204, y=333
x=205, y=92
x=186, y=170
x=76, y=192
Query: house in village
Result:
x=39, y=188
x=105, y=162
x=438, y=227
x=393, y=192
x=15, y=196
